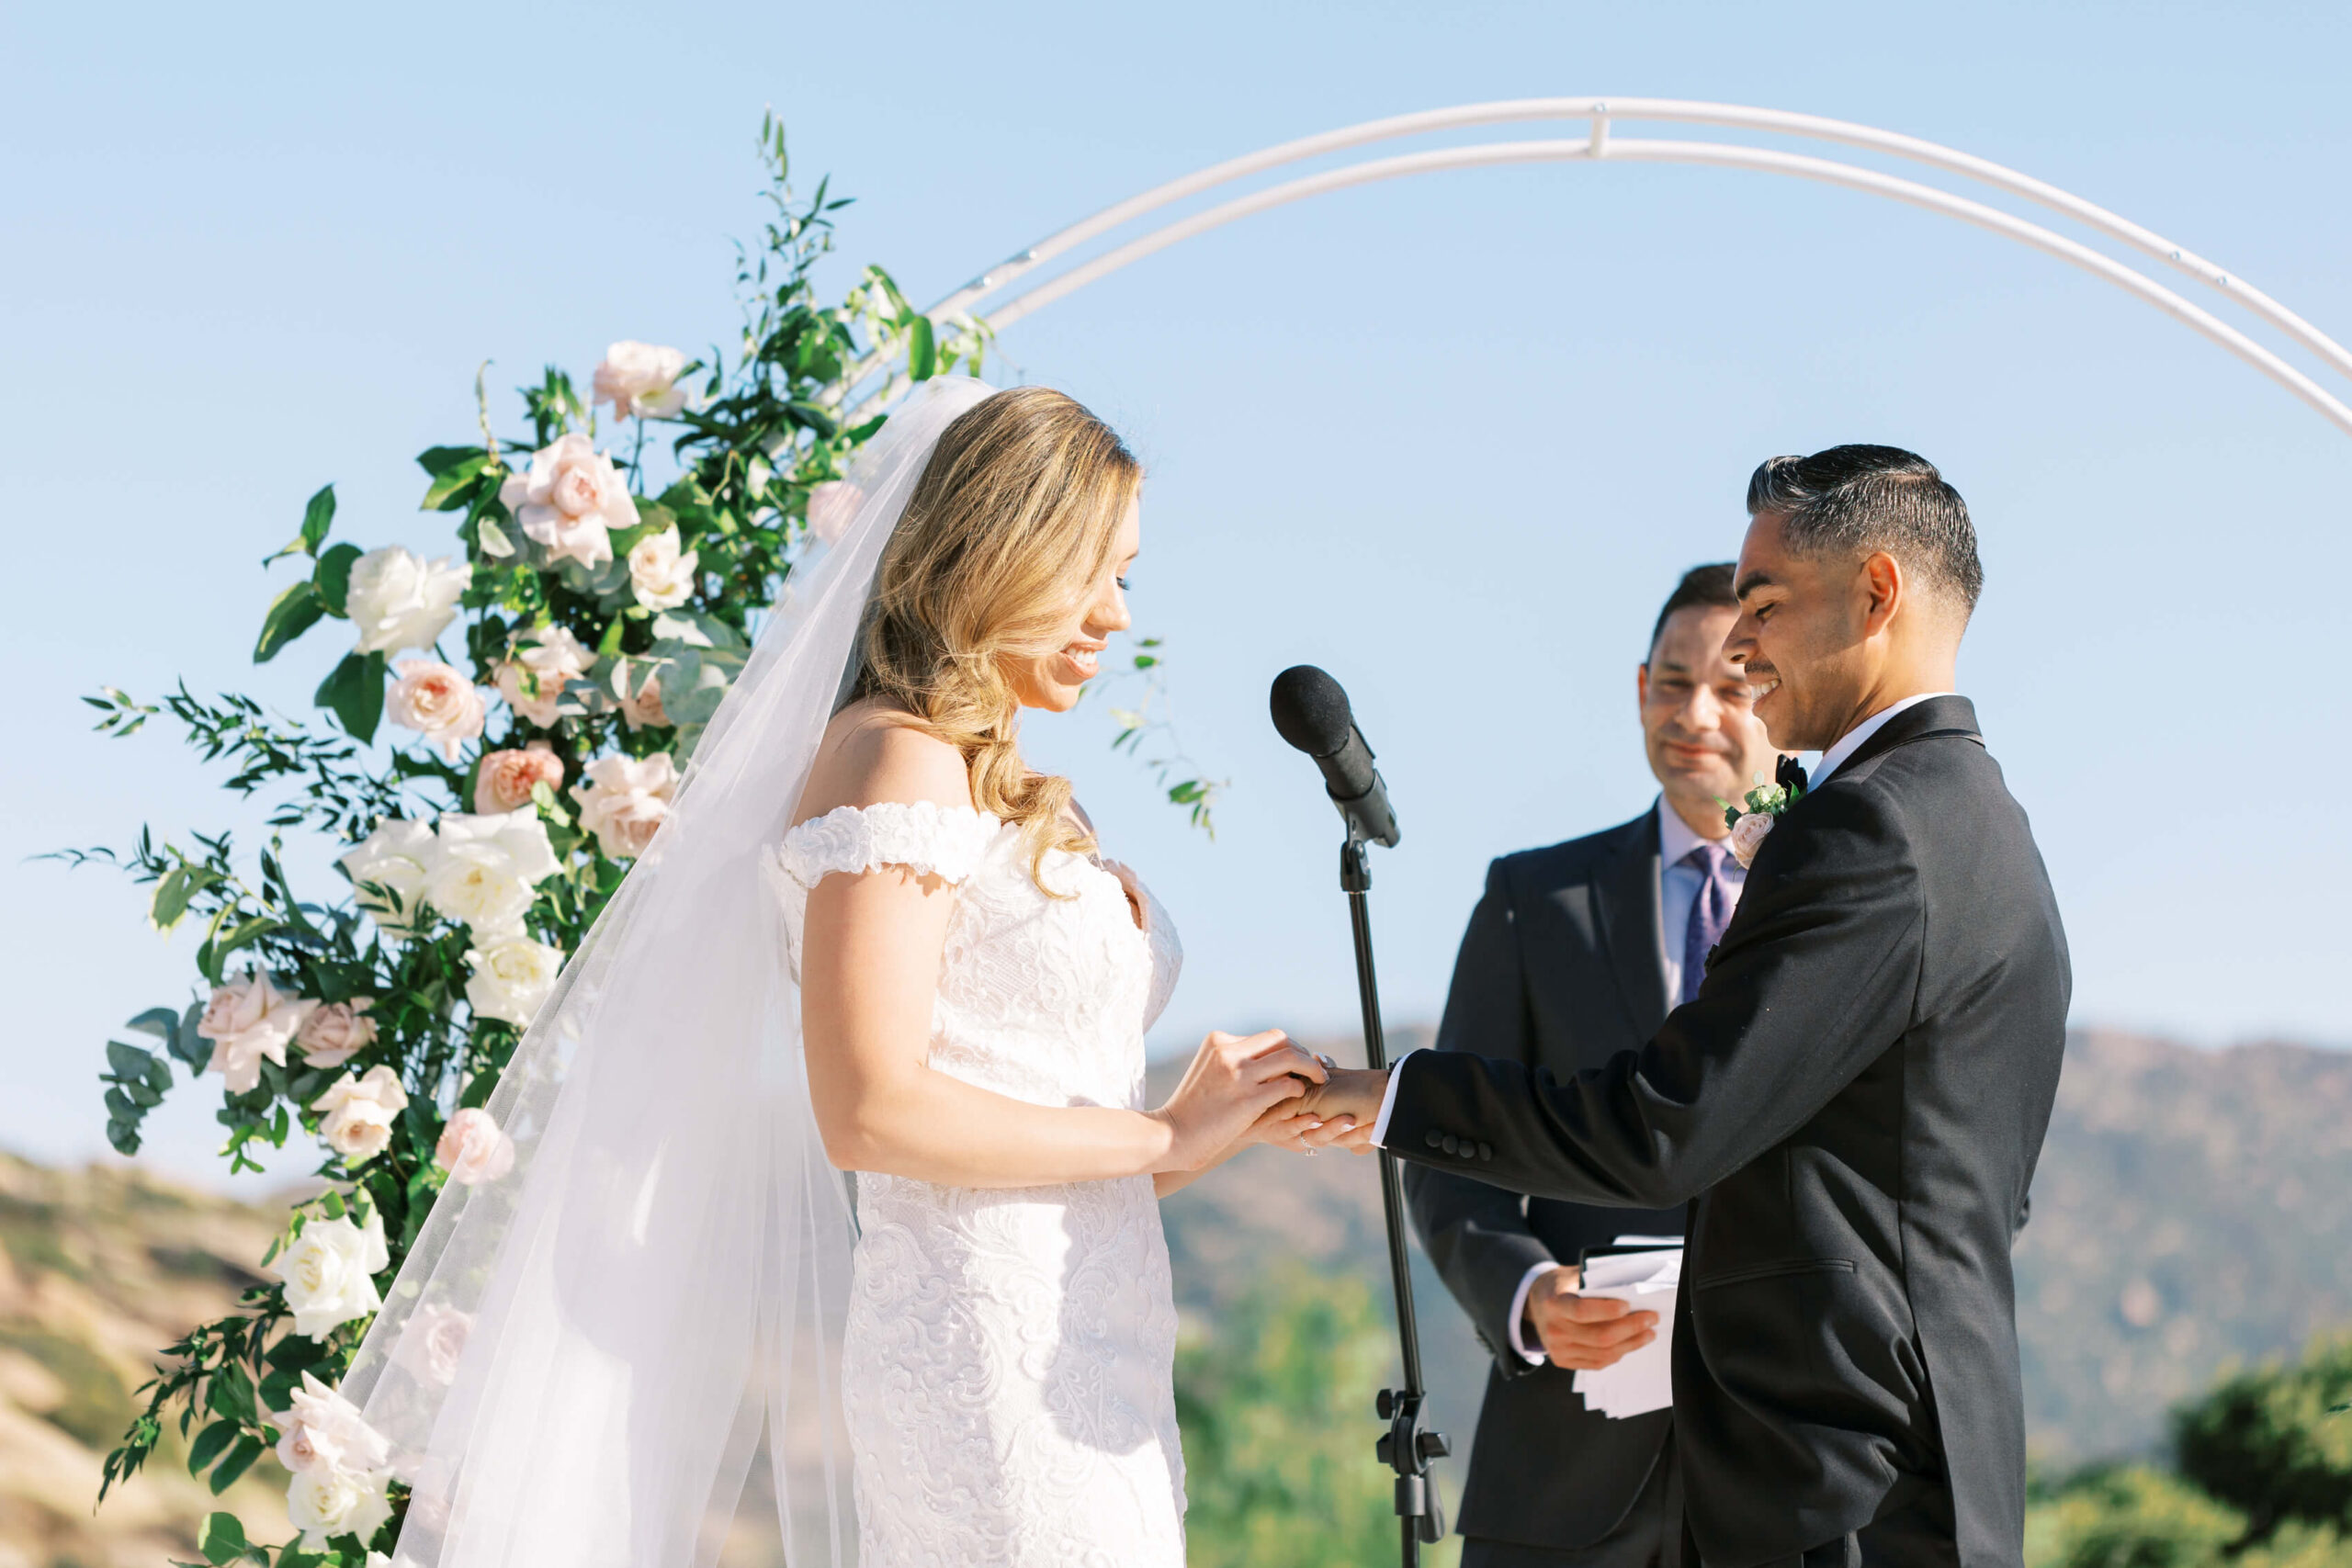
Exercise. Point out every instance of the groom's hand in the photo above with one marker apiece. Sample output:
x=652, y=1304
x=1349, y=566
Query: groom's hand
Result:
x=1583, y=1332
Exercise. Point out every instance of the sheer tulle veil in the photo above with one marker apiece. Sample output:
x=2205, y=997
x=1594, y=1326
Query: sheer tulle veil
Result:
x=575, y=1362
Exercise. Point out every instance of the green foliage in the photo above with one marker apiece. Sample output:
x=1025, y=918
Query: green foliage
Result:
x=2130, y=1517
x=1275, y=1398
x=2270, y=1441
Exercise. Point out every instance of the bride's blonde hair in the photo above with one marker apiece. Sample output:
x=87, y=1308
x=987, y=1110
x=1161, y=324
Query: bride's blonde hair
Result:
x=1009, y=527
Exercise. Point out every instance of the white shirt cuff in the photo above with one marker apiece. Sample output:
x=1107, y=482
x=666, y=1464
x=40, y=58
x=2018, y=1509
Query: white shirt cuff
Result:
x=1388, y=1105
x=1538, y=1355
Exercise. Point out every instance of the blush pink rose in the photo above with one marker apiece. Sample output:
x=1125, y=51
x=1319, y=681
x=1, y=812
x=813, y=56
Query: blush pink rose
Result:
x=623, y=801
x=472, y=1149
x=640, y=378
x=645, y=708
x=248, y=1019
x=570, y=499
x=830, y=507
x=505, y=779
x=1748, y=836
x=431, y=1342
x=335, y=1031
x=359, y=1113
x=437, y=702
x=544, y=661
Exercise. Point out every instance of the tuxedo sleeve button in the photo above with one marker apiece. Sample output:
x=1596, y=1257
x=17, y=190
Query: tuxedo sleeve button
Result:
x=1450, y=1144
x=1433, y=1139
x=1486, y=1151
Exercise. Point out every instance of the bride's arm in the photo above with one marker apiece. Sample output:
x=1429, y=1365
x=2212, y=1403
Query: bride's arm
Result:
x=870, y=964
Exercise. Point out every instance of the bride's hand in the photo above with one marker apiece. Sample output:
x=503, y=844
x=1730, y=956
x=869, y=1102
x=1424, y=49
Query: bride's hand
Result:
x=1234, y=1082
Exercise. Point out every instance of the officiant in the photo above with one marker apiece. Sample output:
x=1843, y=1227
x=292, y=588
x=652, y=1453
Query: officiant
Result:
x=1575, y=953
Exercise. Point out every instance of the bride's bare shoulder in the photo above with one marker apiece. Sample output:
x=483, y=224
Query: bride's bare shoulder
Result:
x=872, y=753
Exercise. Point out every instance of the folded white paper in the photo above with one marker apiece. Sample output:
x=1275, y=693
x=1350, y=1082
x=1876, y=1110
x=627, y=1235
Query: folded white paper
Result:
x=1646, y=1281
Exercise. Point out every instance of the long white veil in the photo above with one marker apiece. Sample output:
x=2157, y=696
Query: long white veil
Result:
x=668, y=1258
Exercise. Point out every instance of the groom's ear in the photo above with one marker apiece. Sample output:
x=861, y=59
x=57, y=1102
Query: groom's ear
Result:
x=1883, y=588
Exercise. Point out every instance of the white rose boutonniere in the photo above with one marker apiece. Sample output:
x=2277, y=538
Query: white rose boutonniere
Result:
x=1752, y=821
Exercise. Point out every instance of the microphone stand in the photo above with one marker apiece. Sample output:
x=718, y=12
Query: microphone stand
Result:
x=1405, y=1448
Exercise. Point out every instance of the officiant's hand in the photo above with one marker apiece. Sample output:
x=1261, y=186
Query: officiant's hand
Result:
x=1583, y=1332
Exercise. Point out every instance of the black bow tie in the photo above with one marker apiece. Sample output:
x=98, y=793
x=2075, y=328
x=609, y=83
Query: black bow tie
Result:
x=1789, y=775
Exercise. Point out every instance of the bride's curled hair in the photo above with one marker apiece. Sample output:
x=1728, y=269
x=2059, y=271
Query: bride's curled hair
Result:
x=1008, y=529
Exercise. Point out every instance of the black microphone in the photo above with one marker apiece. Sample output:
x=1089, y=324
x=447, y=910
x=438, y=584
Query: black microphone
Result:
x=1312, y=714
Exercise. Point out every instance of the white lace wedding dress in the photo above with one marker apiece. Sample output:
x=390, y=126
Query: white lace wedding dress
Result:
x=1008, y=1360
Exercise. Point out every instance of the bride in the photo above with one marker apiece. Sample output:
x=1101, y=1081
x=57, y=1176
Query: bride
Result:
x=869, y=938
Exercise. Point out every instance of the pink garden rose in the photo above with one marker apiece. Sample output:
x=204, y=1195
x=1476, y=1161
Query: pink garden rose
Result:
x=359, y=1113
x=1748, y=836
x=533, y=676
x=504, y=780
x=571, y=500
x=641, y=379
x=623, y=801
x=437, y=702
x=249, y=1019
x=830, y=507
x=472, y=1149
x=431, y=1342
x=334, y=1032
x=645, y=708
x=660, y=574
x=323, y=1429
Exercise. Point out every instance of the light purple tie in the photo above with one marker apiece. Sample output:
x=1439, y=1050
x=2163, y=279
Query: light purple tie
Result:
x=1710, y=913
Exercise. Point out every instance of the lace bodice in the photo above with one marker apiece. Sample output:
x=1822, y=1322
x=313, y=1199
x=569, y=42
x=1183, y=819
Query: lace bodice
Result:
x=1008, y=1358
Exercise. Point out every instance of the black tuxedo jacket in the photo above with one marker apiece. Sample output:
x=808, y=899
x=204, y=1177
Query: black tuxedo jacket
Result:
x=1856, y=1099
x=1559, y=970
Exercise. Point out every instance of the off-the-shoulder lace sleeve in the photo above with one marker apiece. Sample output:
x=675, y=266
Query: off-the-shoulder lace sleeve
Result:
x=945, y=841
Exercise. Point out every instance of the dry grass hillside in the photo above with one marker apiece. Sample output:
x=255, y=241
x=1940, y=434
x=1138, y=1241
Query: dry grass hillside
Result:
x=98, y=1268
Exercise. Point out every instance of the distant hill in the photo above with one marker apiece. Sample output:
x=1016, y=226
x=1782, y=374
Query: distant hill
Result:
x=2192, y=1208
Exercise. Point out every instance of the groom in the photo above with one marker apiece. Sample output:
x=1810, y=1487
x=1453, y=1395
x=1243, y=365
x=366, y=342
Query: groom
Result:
x=1857, y=1095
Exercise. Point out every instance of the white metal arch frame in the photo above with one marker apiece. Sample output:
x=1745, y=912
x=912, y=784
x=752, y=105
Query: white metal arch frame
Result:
x=1600, y=146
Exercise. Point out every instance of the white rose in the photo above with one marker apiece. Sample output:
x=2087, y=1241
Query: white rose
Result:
x=393, y=857
x=482, y=868
x=359, y=1113
x=249, y=1019
x=571, y=500
x=322, y=1429
x=431, y=1342
x=638, y=378
x=437, y=702
x=532, y=677
x=623, y=800
x=512, y=976
x=662, y=576
x=327, y=1274
x=398, y=600
x=327, y=1501
x=1748, y=836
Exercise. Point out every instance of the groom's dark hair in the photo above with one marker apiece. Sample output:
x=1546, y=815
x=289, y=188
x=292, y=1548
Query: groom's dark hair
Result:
x=1701, y=588
x=1858, y=499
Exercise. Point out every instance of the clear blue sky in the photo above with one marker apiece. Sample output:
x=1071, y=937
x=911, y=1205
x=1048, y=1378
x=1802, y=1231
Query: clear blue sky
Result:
x=1452, y=439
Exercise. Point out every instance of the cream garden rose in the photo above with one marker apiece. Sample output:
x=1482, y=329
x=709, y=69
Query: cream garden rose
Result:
x=472, y=1149
x=327, y=1501
x=398, y=599
x=320, y=1428
x=394, y=858
x=623, y=800
x=512, y=976
x=660, y=574
x=336, y=1031
x=359, y=1113
x=249, y=1020
x=533, y=675
x=505, y=779
x=483, y=869
x=329, y=1272
x=570, y=499
x=641, y=379
x=1748, y=836
x=644, y=705
x=437, y=702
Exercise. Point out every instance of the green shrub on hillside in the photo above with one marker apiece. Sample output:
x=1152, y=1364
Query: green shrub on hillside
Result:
x=2275, y=1442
